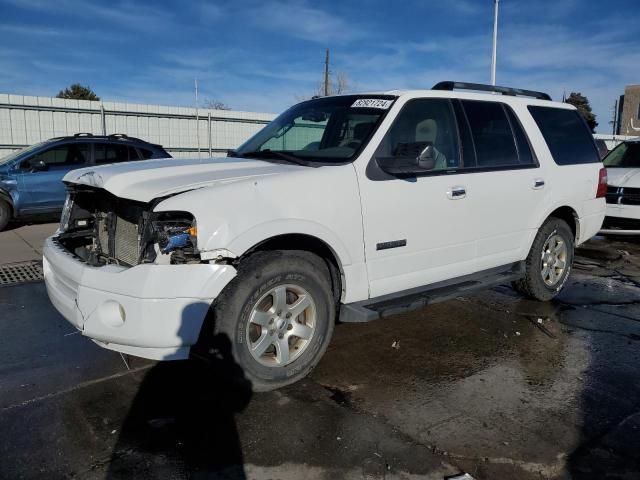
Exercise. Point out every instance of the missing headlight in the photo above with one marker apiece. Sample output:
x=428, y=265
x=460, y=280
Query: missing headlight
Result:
x=175, y=233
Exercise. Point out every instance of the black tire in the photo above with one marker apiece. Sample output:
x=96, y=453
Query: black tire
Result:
x=257, y=275
x=5, y=214
x=532, y=285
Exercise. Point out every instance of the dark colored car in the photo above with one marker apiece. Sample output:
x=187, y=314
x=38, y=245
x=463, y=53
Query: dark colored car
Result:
x=31, y=178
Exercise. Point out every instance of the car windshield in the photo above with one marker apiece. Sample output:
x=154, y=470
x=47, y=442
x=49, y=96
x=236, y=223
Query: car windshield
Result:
x=17, y=153
x=323, y=130
x=625, y=155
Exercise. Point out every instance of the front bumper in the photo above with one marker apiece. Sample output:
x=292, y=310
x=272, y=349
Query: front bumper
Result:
x=151, y=311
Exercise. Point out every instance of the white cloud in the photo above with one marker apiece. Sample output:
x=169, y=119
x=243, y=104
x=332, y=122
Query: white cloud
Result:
x=124, y=13
x=303, y=21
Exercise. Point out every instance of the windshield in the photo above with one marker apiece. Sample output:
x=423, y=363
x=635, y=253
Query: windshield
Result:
x=625, y=155
x=16, y=154
x=325, y=130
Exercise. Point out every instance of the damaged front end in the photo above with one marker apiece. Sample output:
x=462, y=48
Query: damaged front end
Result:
x=100, y=229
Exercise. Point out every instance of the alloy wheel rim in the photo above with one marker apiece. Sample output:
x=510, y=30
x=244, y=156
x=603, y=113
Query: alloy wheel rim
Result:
x=553, y=260
x=281, y=325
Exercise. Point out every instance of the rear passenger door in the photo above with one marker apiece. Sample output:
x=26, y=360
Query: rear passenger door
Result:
x=105, y=153
x=508, y=184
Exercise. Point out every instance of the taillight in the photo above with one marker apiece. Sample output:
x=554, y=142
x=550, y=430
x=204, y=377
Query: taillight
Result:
x=602, y=183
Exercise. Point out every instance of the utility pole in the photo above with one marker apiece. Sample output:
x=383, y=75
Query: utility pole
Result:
x=495, y=43
x=614, y=121
x=326, y=74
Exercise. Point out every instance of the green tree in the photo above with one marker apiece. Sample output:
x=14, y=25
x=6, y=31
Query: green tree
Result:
x=582, y=104
x=78, y=92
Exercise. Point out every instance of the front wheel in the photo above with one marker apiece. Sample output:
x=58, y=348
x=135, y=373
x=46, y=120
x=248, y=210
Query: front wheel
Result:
x=279, y=314
x=549, y=262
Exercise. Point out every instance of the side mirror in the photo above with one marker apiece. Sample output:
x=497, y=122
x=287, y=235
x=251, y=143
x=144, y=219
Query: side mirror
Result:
x=409, y=159
x=426, y=158
x=37, y=165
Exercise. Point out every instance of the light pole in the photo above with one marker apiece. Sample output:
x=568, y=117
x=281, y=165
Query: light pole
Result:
x=495, y=43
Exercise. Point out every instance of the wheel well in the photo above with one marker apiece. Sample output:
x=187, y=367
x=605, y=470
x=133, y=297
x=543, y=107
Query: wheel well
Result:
x=308, y=243
x=570, y=216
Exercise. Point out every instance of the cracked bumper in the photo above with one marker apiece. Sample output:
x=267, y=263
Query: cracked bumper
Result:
x=151, y=311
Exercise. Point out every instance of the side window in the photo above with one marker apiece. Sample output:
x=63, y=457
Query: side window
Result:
x=423, y=123
x=492, y=135
x=567, y=135
x=113, y=153
x=133, y=154
x=146, y=153
x=525, y=155
x=61, y=156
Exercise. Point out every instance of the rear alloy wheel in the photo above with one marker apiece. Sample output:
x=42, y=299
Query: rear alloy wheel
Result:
x=553, y=260
x=278, y=313
x=548, y=264
x=5, y=214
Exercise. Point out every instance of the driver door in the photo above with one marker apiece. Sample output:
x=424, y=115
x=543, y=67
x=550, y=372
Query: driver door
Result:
x=40, y=176
x=418, y=229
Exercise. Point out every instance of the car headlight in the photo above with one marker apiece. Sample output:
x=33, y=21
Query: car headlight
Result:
x=66, y=214
x=175, y=231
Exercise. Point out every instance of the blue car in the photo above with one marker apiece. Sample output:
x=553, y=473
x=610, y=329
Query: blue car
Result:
x=31, y=179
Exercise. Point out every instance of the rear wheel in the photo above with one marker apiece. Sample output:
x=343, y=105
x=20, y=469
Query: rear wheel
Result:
x=5, y=214
x=279, y=314
x=549, y=261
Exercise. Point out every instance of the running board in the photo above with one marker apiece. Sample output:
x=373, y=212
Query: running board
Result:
x=415, y=298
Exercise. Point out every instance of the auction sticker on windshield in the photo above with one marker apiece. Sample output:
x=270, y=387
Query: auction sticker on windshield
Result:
x=372, y=103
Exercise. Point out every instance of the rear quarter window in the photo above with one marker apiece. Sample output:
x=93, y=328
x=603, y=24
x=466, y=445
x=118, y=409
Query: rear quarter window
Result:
x=567, y=135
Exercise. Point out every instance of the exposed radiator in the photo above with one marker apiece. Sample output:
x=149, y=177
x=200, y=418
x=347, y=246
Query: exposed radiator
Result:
x=125, y=244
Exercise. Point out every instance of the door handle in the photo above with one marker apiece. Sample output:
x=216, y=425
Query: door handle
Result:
x=456, y=193
x=538, y=183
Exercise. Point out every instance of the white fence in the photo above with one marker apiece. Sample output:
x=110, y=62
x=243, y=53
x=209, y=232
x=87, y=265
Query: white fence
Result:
x=612, y=141
x=25, y=120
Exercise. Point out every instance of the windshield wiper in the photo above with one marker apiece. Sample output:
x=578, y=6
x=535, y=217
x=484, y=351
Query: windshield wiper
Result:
x=274, y=153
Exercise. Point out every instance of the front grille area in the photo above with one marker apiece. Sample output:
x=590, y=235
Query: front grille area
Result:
x=623, y=196
x=620, y=223
x=119, y=239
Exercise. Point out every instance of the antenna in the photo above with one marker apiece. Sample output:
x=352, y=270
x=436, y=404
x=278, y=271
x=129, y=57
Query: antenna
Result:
x=326, y=74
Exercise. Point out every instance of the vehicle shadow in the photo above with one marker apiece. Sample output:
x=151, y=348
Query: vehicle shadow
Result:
x=181, y=423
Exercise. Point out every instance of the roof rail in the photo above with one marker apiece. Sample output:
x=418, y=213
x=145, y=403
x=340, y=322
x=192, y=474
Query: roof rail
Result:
x=481, y=87
x=83, y=134
x=118, y=135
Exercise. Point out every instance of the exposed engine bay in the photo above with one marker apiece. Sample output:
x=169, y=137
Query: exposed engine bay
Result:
x=100, y=229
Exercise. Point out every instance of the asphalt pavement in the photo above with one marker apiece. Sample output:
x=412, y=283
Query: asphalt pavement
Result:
x=492, y=384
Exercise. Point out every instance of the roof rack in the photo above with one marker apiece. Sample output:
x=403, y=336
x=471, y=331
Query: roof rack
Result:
x=113, y=136
x=481, y=87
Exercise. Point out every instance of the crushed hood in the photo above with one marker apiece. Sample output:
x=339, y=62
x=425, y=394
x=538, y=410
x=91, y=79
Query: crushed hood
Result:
x=149, y=179
x=623, y=177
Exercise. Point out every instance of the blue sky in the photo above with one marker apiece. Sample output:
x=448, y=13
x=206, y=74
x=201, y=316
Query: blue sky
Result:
x=263, y=55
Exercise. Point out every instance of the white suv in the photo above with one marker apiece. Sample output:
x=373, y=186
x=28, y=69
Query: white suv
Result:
x=623, y=195
x=343, y=208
